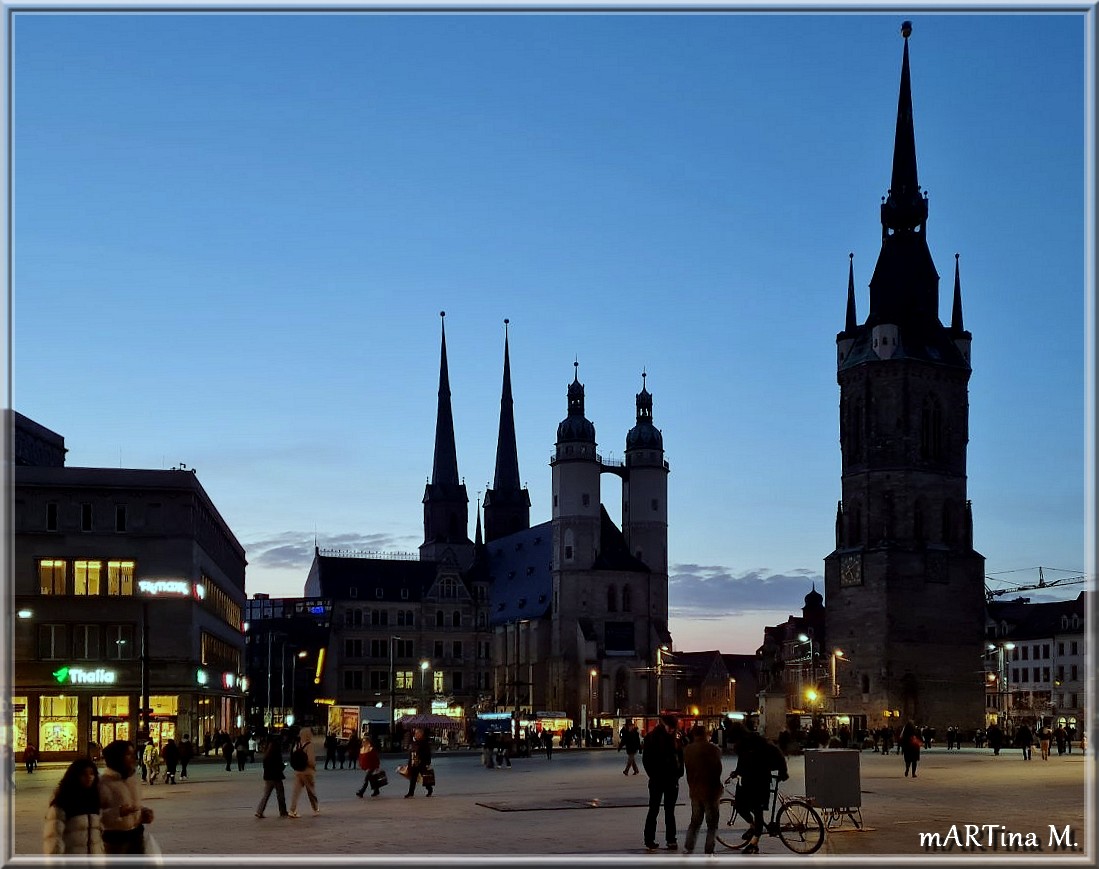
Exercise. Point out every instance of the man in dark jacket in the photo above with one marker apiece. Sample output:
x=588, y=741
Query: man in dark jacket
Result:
x=702, y=760
x=756, y=759
x=662, y=757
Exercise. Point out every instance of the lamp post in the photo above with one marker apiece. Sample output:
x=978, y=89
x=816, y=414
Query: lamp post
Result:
x=1005, y=680
x=804, y=639
x=392, y=687
x=836, y=653
x=423, y=681
x=592, y=675
x=660, y=650
x=294, y=683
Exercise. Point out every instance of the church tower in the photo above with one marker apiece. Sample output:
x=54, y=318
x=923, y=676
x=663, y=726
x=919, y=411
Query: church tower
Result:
x=507, y=505
x=904, y=586
x=446, y=504
x=645, y=498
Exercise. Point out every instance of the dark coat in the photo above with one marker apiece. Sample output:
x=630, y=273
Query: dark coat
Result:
x=662, y=755
x=272, y=763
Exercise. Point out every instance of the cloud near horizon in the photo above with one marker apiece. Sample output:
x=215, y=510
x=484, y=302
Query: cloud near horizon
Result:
x=292, y=550
x=702, y=592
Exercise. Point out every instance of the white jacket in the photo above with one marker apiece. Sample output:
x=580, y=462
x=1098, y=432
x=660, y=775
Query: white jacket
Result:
x=114, y=792
x=80, y=834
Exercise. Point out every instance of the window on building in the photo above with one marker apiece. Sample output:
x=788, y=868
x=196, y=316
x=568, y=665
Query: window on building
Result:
x=353, y=680
x=1026, y=653
x=53, y=642
x=438, y=649
x=405, y=649
x=405, y=680
x=456, y=619
x=86, y=577
x=1060, y=650
x=120, y=578
x=1073, y=698
x=437, y=682
x=1045, y=674
x=1074, y=648
x=379, y=648
x=1045, y=650
x=656, y=505
x=379, y=680
x=51, y=516
x=438, y=618
x=51, y=576
x=85, y=517
x=1015, y=675
x=119, y=645
x=86, y=642
x=585, y=499
x=120, y=517
x=1074, y=673
x=480, y=620
x=458, y=649
x=379, y=617
x=456, y=680
x=1061, y=673
x=352, y=648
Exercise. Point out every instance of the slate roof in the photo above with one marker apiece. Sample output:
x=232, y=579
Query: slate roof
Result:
x=520, y=567
x=1037, y=620
x=337, y=575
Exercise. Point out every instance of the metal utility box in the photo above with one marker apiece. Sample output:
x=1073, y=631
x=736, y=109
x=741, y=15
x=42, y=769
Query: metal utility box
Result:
x=832, y=778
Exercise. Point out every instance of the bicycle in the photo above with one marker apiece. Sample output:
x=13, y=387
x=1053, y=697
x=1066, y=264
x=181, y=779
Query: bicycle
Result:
x=793, y=819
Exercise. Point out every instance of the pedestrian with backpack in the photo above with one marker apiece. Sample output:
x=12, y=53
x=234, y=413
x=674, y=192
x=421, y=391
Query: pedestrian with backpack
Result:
x=303, y=760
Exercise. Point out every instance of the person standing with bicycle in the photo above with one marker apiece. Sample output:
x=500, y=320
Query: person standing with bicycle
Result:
x=702, y=760
x=756, y=758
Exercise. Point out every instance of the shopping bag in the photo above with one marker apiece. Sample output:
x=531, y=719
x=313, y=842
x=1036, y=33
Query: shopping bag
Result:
x=428, y=777
x=379, y=778
x=403, y=770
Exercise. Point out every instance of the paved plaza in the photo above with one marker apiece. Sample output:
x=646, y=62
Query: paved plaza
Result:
x=579, y=805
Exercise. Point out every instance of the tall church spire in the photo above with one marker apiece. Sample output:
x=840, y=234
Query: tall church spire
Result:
x=446, y=504
x=444, y=471
x=905, y=207
x=507, y=505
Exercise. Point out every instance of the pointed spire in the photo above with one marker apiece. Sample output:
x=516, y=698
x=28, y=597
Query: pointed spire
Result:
x=444, y=471
x=852, y=322
x=956, y=314
x=507, y=454
x=477, y=539
x=905, y=207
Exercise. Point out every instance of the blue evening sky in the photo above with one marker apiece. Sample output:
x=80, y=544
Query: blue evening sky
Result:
x=233, y=234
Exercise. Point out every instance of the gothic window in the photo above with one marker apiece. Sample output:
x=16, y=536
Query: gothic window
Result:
x=569, y=543
x=858, y=420
x=865, y=684
x=611, y=599
x=931, y=430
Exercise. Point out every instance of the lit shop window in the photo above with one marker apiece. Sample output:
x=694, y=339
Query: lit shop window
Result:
x=120, y=578
x=51, y=576
x=57, y=728
x=86, y=577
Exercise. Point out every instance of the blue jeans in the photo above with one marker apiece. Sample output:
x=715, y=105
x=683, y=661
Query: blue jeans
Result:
x=700, y=809
x=666, y=793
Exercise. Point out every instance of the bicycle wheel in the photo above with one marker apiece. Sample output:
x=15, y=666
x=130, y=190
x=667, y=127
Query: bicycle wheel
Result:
x=800, y=827
x=730, y=825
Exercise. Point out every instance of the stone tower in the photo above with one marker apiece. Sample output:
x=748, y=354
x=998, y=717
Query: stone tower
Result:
x=904, y=586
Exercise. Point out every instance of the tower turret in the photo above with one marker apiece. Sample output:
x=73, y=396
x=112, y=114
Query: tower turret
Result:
x=645, y=488
x=575, y=482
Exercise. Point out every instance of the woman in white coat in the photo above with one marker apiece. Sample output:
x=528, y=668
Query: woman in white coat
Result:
x=73, y=824
x=124, y=818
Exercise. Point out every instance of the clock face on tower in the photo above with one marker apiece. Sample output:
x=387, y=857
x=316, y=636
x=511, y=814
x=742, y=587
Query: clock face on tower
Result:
x=851, y=570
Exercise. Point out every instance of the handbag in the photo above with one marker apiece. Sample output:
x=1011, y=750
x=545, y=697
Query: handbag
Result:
x=379, y=779
x=403, y=770
x=428, y=777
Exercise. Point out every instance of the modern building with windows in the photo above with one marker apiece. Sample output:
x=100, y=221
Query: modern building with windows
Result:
x=128, y=594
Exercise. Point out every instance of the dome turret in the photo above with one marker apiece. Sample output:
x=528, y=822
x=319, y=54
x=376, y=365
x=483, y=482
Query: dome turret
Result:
x=576, y=427
x=644, y=435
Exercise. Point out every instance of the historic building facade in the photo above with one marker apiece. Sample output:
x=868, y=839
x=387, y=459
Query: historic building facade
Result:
x=904, y=585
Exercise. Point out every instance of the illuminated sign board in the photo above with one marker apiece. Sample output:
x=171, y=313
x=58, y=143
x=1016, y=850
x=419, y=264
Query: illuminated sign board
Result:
x=80, y=676
x=164, y=586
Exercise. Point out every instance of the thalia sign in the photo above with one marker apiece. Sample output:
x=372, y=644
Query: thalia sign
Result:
x=80, y=676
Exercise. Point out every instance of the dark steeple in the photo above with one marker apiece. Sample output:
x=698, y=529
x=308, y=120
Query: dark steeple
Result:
x=956, y=314
x=507, y=505
x=904, y=290
x=446, y=504
x=575, y=427
x=444, y=471
x=852, y=322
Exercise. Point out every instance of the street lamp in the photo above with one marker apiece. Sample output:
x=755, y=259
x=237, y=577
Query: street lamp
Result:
x=660, y=676
x=806, y=639
x=392, y=687
x=593, y=673
x=1004, y=688
x=423, y=681
x=836, y=653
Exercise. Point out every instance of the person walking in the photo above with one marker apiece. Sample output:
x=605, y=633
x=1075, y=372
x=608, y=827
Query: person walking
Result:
x=186, y=752
x=419, y=762
x=662, y=757
x=354, y=748
x=757, y=759
x=306, y=777
x=631, y=742
x=547, y=743
x=702, y=760
x=30, y=757
x=227, y=752
x=273, y=777
x=911, y=742
x=122, y=815
x=1024, y=739
x=995, y=738
x=504, y=749
x=1045, y=740
x=171, y=761
x=369, y=762
x=241, y=746
x=73, y=824
x=330, y=743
